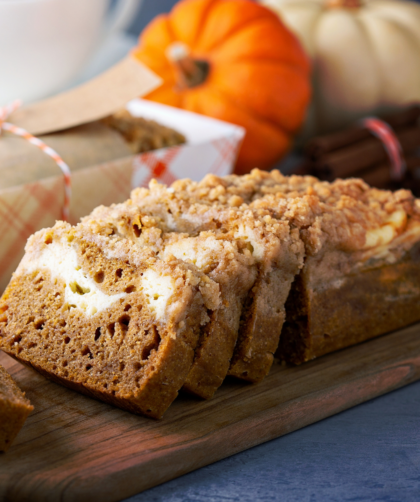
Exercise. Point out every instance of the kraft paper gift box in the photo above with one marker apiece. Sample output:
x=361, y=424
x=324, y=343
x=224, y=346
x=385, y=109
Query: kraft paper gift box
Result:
x=104, y=170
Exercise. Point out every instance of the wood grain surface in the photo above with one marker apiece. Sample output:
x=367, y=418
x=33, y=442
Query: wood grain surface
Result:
x=73, y=448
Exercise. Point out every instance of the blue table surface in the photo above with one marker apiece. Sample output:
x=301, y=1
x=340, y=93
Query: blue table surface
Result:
x=367, y=453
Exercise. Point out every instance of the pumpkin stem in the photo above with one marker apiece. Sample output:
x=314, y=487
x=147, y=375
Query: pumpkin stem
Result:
x=190, y=72
x=346, y=4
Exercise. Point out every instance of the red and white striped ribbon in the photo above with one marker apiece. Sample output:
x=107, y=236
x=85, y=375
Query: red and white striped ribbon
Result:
x=385, y=133
x=4, y=113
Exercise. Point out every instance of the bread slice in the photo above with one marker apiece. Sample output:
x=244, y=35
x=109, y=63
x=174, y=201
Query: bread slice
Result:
x=14, y=409
x=230, y=265
x=106, y=318
x=275, y=246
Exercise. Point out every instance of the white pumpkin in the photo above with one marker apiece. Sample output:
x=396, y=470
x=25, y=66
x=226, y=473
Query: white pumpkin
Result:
x=365, y=53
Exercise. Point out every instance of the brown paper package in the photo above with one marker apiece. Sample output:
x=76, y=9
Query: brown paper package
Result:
x=83, y=140
x=80, y=147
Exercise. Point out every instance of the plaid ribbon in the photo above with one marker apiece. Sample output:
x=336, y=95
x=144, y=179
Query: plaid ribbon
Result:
x=384, y=132
x=18, y=131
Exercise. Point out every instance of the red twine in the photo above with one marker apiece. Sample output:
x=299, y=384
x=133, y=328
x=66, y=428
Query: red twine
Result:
x=18, y=131
x=384, y=132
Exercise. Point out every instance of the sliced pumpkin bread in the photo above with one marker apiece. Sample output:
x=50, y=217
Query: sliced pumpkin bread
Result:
x=224, y=260
x=273, y=243
x=106, y=318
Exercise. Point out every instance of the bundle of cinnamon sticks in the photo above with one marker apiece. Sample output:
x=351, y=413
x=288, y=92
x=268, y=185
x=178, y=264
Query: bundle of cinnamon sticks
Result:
x=356, y=152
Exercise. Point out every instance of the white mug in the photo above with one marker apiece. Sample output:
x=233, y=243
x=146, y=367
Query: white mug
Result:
x=45, y=43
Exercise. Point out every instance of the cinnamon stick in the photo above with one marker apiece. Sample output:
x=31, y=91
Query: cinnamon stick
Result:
x=412, y=181
x=303, y=169
x=353, y=159
x=322, y=145
x=379, y=176
x=413, y=163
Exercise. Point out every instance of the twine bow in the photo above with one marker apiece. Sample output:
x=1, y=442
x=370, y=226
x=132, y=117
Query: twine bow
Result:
x=385, y=133
x=18, y=131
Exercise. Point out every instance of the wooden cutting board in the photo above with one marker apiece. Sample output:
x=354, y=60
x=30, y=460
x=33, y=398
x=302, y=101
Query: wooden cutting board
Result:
x=73, y=448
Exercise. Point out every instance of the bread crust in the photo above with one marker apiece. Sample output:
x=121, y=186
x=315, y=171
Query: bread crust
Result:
x=323, y=317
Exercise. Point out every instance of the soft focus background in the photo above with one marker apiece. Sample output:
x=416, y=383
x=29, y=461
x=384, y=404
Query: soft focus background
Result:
x=376, y=171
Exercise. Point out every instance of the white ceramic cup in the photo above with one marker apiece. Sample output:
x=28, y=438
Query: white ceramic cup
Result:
x=45, y=43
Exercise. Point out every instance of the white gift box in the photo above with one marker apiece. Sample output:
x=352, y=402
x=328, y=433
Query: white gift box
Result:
x=212, y=146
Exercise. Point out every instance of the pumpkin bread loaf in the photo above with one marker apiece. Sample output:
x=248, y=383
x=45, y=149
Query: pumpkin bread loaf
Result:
x=276, y=248
x=179, y=286
x=362, y=255
x=14, y=409
x=104, y=317
x=229, y=263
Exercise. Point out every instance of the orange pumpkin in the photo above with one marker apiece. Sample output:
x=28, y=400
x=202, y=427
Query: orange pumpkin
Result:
x=233, y=60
